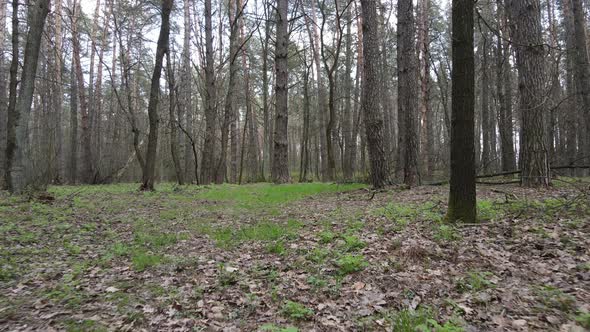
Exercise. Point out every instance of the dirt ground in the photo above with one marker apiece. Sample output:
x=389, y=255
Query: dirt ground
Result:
x=182, y=260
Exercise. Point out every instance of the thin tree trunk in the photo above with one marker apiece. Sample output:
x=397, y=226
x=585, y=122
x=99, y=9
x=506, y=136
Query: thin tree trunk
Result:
x=280, y=165
x=582, y=76
x=407, y=87
x=207, y=164
x=149, y=173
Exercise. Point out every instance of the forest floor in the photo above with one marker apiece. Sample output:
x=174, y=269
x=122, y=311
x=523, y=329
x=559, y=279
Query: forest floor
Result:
x=307, y=257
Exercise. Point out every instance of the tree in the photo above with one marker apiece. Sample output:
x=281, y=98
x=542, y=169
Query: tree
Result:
x=149, y=172
x=370, y=100
x=462, y=196
x=207, y=166
x=530, y=55
x=582, y=73
x=18, y=117
x=504, y=90
x=280, y=164
x=87, y=165
x=407, y=88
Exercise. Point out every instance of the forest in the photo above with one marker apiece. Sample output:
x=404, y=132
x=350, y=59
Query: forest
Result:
x=295, y=165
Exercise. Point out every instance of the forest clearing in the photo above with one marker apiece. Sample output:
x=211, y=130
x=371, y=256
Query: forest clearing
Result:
x=321, y=257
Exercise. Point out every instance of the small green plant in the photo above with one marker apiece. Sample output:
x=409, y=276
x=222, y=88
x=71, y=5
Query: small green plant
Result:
x=227, y=276
x=318, y=255
x=422, y=320
x=583, y=319
x=326, y=237
x=446, y=233
x=487, y=210
x=274, y=328
x=143, y=260
x=296, y=311
x=555, y=298
x=276, y=247
x=475, y=282
x=353, y=243
x=317, y=282
x=351, y=263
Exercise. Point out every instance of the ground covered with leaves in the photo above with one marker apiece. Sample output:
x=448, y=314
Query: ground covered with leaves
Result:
x=301, y=257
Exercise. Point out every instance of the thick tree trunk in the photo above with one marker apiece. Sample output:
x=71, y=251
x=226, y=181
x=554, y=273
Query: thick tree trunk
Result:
x=280, y=165
x=530, y=56
x=19, y=179
x=407, y=96
x=462, y=197
x=574, y=101
x=149, y=172
x=370, y=100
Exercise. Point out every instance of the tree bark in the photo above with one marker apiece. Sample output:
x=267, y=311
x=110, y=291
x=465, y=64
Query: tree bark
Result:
x=582, y=76
x=19, y=157
x=462, y=196
x=407, y=97
x=149, y=172
x=504, y=82
x=370, y=100
x=207, y=164
x=280, y=165
x=530, y=57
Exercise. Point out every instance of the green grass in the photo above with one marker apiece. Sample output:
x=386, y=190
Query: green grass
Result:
x=296, y=311
x=475, y=282
x=351, y=263
x=143, y=260
x=421, y=320
x=264, y=231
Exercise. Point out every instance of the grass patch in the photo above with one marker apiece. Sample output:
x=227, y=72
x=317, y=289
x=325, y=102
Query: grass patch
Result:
x=475, y=282
x=143, y=260
x=421, y=320
x=264, y=231
x=348, y=264
x=296, y=311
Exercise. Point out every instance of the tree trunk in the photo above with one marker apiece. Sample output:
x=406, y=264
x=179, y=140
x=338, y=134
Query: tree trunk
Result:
x=504, y=88
x=173, y=122
x=207, y=164
x=11, y=115
x=530, y=57
x=87, y=170
x=19, y=158
x=407, y=97
x=462, y=200
x=230, y=111
x=149, y=172
x=280, y=165
x=582, y=77
x=370, y=100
